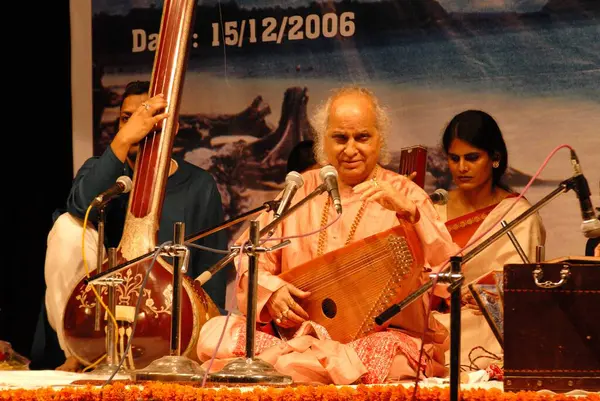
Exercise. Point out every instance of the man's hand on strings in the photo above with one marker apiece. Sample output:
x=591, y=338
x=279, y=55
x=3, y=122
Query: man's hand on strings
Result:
x=284, y=310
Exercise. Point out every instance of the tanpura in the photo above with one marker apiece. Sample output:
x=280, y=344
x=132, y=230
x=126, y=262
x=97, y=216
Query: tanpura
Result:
x=151, y=339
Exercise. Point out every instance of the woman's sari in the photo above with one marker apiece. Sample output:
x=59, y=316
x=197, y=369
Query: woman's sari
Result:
x=479, y=346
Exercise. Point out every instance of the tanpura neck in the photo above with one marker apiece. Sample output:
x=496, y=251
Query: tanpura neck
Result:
x=173, y=166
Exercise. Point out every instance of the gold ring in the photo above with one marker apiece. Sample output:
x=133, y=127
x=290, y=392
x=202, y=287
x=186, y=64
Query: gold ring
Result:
x=375, y=182
x=285, y=312
x=146, y=106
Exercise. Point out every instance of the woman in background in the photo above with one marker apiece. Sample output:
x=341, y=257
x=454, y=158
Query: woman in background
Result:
x=478, y=158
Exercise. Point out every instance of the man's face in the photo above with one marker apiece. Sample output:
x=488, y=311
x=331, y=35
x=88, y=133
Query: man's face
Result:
x=130, y=104
x=352, y=143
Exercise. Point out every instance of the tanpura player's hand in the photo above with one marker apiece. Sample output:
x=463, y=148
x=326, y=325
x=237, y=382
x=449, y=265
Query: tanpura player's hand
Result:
x=284, y=310
x=146, y=117
x=387, y=196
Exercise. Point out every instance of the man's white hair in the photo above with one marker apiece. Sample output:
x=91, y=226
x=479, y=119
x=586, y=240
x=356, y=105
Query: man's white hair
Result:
x=320, y=121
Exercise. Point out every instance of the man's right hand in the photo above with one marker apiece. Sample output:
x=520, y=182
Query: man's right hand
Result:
x=145, y=118
x=284, y=310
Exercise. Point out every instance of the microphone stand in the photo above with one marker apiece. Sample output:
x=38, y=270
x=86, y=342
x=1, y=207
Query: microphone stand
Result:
x=317, y=191
x=455, y=278
x=173, y=367
x=207, y=275
x=267, y=206
x=249, y=369
x=179, y=368
x=99, y=260
x=112, y=362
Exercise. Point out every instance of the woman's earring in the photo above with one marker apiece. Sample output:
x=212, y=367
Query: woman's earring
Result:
x=496, y=164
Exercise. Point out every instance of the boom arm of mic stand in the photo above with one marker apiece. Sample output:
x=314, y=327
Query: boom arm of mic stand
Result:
x=393, y=310
x=208, y=274
x=318, y=191
x=268, y=206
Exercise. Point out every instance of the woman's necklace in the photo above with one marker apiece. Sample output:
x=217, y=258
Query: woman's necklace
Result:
x=468, y=207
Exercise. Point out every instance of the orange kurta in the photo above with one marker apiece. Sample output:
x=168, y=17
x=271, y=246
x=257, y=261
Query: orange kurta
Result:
x=306, y=353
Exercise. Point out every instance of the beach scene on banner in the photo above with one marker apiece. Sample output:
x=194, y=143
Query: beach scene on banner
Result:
x=534, y=66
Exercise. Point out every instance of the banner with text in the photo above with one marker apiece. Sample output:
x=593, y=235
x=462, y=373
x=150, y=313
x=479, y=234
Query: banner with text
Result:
x=258, y=69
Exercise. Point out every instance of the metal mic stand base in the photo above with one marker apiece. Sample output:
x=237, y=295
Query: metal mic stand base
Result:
x=170, y=368
x=249, y=371
x=106, y=369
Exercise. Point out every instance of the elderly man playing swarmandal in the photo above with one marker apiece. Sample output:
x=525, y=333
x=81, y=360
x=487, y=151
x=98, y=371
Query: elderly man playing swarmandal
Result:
x=352, y=130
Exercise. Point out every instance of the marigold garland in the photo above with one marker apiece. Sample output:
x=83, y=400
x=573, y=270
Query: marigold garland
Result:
x=178, y=392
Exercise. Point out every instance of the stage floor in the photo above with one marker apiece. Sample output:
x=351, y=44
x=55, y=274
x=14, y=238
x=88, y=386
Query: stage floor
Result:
x=31, y=385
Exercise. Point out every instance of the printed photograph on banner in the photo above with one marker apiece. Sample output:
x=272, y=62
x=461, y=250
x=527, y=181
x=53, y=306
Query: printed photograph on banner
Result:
x=259, y=69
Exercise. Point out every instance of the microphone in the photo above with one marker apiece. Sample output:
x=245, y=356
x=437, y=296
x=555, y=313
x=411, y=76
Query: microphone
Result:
x=439, y=196
x=122, y=186
x=293, y=181
x=590, y=225
x=329, y=176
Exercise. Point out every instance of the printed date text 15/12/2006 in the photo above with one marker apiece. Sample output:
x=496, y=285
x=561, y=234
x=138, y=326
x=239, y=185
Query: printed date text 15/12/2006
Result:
x=296, y=27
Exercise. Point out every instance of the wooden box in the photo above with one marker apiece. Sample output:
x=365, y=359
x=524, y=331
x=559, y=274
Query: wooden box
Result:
x=414, y=159
x=552, y=328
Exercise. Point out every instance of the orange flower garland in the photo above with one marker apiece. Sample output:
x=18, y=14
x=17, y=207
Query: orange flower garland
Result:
x=177, y=392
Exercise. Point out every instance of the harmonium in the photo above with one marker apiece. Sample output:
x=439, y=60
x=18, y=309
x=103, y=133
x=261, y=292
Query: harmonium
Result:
x=551, y=325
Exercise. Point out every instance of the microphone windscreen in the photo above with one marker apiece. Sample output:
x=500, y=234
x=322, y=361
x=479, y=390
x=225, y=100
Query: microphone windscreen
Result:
x=126, y=182
x=327, y=171
x=295, y=177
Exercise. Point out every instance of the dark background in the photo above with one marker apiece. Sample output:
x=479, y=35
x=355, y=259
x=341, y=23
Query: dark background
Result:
x=38, y=157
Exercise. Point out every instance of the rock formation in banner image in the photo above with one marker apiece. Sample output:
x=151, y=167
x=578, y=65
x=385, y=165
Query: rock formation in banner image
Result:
x=248, y=156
